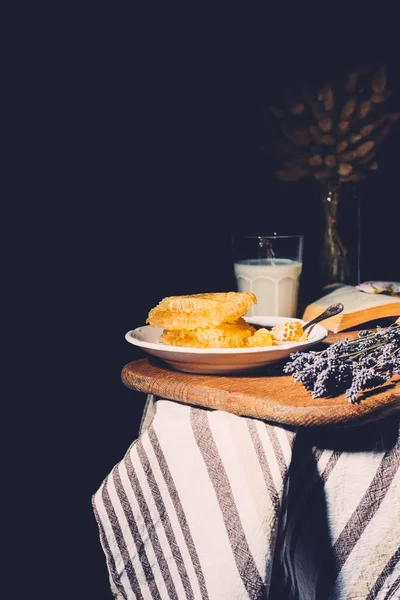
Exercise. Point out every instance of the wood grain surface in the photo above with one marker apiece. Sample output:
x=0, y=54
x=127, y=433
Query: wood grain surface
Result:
x=267, y=394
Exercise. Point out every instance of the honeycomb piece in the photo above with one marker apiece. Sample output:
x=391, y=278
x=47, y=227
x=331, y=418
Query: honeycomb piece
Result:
x=227, y=335
x=289, y=331
x=262, y=337
x=200, y=310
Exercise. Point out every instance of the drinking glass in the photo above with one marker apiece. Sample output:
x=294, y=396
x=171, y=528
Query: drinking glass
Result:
x=269, y=266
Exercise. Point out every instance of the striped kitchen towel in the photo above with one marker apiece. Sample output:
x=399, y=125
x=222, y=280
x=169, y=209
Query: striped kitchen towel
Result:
x=206, y=504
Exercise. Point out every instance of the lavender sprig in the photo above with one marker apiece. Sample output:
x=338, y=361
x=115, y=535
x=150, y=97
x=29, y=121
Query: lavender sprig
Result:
x=349, y=366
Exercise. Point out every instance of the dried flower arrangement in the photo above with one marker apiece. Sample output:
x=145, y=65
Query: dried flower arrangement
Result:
x=332, y=133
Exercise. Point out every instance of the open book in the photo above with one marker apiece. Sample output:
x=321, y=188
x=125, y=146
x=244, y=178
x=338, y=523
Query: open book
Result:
x=359, y=307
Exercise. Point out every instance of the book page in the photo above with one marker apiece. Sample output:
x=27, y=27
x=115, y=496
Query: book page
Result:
x=354, y=300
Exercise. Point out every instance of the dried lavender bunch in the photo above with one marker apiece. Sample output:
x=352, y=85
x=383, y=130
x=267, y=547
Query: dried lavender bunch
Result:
x=352, y=366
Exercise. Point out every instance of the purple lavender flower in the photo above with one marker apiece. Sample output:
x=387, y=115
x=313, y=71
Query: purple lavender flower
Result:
x=349, y=366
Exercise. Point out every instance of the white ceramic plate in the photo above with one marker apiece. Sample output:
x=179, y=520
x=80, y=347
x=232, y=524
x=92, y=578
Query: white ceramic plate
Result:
x=221, y=360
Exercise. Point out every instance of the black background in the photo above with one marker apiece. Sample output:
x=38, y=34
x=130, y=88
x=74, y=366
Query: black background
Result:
x=135, y=160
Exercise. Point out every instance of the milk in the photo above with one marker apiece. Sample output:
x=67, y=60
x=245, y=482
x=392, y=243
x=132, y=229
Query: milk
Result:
x=275, y=282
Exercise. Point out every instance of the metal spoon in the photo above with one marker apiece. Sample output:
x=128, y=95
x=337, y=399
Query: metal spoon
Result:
x=332, y=310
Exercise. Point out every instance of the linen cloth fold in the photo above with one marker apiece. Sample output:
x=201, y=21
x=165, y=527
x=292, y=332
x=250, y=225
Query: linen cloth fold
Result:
x=209, y=505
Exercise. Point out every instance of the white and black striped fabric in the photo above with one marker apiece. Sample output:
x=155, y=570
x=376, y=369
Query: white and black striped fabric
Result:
x=209, y=505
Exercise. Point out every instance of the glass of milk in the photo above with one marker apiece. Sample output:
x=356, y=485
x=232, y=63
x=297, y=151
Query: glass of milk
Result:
x=270, y=267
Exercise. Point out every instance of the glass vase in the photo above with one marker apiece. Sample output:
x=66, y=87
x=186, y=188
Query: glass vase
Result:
x=335, y=267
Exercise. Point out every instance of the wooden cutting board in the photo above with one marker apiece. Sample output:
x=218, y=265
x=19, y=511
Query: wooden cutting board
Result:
x=269, y=395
